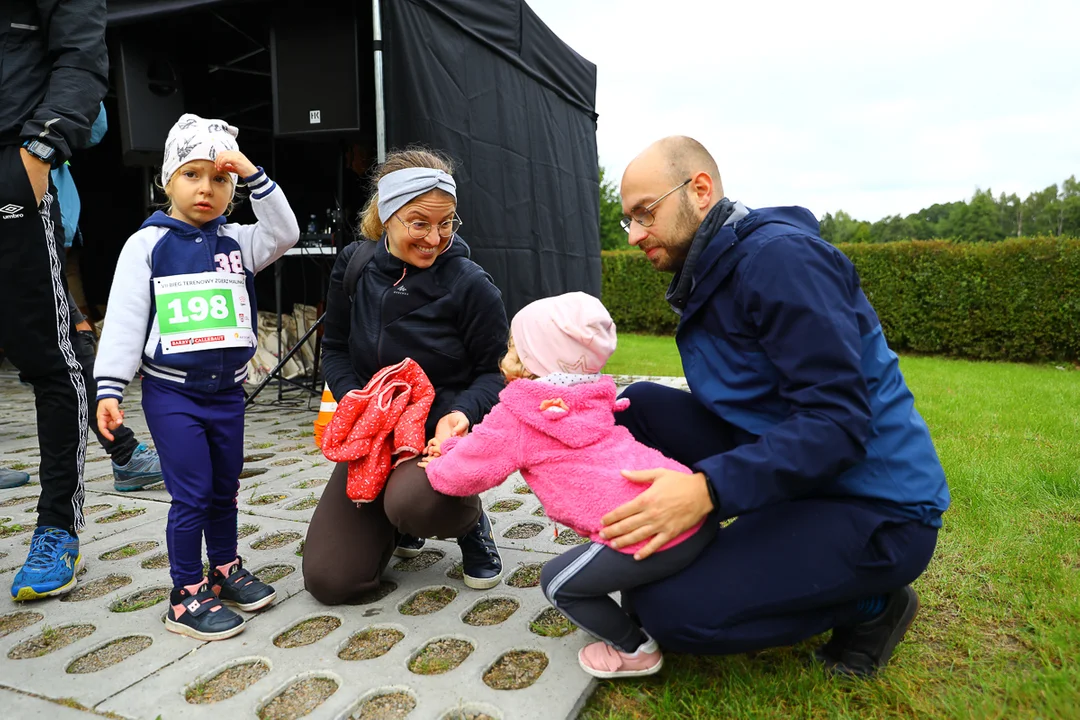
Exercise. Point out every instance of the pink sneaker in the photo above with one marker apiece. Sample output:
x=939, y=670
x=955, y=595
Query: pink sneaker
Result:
x=603, y=661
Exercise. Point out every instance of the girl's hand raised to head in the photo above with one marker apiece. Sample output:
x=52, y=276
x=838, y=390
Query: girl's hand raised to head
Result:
x=234, y=161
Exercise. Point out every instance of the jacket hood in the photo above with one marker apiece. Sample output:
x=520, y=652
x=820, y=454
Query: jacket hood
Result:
x=160, y=219
x=797, y=217
x=584, y=415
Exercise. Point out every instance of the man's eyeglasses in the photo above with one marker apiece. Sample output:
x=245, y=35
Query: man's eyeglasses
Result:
x=419, y=229
x=643, y=215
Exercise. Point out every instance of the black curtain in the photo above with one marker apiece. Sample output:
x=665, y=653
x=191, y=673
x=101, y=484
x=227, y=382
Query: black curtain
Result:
x=489, y=84
x=486, y=82
x=122, y=12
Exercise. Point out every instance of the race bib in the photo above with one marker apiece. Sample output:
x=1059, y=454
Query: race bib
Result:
x=203, y=311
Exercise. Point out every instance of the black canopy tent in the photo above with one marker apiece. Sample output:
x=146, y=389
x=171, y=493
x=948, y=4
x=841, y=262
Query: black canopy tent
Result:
x=483, y=80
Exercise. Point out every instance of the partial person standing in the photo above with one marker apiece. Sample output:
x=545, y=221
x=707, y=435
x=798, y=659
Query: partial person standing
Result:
x=55, y=73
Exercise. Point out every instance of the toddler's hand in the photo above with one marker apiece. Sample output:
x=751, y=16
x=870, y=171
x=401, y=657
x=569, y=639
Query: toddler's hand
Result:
x=431, y=451
x=109, y=416
x=235, y=161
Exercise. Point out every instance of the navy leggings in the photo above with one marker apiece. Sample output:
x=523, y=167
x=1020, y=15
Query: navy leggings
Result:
x=775, y=576
x=199, y=437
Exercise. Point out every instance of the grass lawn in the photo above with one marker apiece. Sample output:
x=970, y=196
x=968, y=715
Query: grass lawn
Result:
x=999, y=631
x=645, y=355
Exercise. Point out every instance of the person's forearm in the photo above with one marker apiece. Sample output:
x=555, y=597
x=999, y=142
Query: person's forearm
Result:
x=78, y=79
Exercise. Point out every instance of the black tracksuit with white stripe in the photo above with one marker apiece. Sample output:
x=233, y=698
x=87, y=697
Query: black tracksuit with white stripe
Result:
x=55, y=73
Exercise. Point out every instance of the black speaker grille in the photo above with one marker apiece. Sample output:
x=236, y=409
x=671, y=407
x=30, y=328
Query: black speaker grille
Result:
x=314, y=67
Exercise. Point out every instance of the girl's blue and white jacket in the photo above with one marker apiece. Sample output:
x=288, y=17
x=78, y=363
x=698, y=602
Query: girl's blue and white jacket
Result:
x=164, y=246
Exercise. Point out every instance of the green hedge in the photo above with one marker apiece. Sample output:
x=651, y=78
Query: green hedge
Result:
x=1013, y=300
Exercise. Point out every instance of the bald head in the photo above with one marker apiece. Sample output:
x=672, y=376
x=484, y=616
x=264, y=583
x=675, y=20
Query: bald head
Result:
x=675, y=159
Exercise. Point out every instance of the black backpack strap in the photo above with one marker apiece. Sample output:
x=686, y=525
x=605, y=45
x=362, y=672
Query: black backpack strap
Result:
x=359, y=260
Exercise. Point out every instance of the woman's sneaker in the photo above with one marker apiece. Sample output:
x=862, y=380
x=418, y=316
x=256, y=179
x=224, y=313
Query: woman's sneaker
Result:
x=51, y=565
x=241, y=589
x=201, y=616
x=409, y=546
x=480, y=560
x=603, y=661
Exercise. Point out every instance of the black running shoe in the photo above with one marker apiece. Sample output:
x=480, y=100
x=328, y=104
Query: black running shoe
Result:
x=481, y=564
x=199, y=619
x=409, y=546
x=863, y=649
x=242, y=589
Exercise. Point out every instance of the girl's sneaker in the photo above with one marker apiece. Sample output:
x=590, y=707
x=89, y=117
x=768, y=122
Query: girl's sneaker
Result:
x=603, y=661
x=241, y=589
x=201, y=615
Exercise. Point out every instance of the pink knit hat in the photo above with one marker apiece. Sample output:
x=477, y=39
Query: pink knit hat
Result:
x=571, y=333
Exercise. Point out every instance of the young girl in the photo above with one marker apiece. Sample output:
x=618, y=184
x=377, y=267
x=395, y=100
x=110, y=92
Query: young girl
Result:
x=182, y=311
x=555, y=423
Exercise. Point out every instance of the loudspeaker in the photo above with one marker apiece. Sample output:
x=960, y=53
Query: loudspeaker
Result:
x=150, y=95
x=314, y=70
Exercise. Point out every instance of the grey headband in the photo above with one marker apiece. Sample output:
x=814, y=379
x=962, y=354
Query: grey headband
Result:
x=401, y=186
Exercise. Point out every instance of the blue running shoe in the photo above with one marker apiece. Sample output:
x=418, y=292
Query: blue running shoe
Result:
x=50, y=567
x=12, y=478
x=141, y=471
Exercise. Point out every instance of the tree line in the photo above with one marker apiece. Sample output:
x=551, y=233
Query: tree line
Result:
x=1053, y=211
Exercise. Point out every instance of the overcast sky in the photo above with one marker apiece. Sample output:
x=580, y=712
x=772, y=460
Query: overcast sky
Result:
x=874, y=108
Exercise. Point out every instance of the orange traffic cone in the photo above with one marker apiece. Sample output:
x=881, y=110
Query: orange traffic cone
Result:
x=326, y=411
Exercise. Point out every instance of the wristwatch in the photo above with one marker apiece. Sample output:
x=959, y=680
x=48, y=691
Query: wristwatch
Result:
x=43, y=151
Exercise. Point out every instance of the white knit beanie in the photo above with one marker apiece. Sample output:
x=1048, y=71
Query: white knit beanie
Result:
x=195, y=138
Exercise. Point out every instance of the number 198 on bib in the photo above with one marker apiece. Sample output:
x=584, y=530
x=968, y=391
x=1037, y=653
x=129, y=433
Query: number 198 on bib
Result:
x=199, y=310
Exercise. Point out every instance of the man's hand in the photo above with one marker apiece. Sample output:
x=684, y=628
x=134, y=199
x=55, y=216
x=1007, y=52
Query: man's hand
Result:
x=109, y=416
x=453, y=424
x=38, y=173
x=234, y=161
x=675, y=502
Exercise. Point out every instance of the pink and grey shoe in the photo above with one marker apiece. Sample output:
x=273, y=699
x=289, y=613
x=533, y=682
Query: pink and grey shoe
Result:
x=236, y=586
x=197, y=613
x=603, y=661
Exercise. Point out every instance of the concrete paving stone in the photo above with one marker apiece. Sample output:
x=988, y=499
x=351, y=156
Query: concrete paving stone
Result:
x=90, y=689
x=153, y=681
x=27, y=707
x=358, y=679
x=153, y=514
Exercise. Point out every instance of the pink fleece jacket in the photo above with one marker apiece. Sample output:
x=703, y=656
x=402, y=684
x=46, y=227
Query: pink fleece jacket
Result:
x=570, y=458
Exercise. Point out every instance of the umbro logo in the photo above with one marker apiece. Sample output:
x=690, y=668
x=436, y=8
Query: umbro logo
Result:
x=11, y=211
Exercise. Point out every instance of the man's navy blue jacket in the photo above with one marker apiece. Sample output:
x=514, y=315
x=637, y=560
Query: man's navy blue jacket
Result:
x=778, y=339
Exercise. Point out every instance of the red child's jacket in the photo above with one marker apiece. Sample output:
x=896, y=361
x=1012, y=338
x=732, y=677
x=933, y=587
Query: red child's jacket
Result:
x=377, y=428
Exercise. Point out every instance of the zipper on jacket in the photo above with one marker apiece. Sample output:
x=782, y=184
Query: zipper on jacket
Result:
x=382, y=327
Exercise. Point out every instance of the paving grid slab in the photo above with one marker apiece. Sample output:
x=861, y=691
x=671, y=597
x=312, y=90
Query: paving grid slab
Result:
x=284, y=476
x=27, y=707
